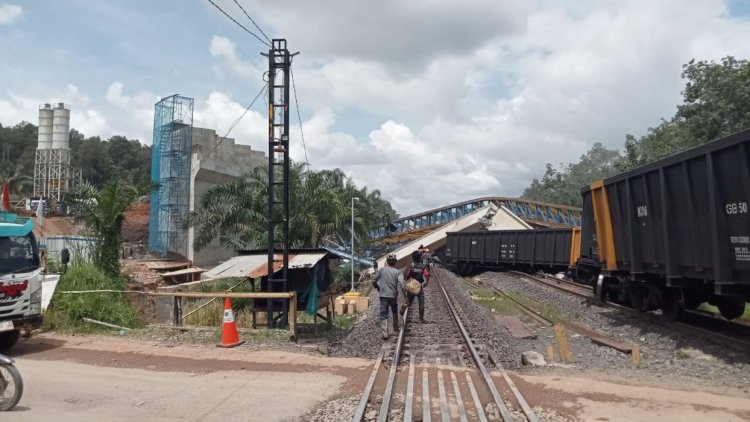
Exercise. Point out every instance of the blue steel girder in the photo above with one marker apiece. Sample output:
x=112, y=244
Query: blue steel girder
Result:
x=530, y=211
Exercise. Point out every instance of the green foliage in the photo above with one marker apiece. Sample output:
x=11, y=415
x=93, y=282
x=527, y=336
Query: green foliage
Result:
x=14, y=175
x=716, y=103
x=320, y=206
x=102, y=209
x=99, y=160
x=344, y=276
x=68, y=310
x=564, y=186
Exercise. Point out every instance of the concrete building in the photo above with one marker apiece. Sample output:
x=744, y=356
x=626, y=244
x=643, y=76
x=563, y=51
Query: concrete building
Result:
x=215, y=160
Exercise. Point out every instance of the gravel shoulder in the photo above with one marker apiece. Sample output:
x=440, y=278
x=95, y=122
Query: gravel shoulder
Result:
x=668, y=356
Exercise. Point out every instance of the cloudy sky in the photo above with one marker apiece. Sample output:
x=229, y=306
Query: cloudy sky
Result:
x=431, y=101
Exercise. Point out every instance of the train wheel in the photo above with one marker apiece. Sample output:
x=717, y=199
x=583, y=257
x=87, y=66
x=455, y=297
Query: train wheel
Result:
x=638, y=296
x=732, y=308
x=673, y=305
x=692, y=302
x=600, y=289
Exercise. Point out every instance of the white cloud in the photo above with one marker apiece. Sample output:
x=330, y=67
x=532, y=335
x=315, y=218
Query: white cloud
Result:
x=9, y=13
x=471, y=98
x=219, y=112
x=83, y=117
x=223, y=48
x=487, y=121
x=404, y=35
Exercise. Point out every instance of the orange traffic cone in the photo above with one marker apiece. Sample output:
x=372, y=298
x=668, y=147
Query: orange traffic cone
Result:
x=229, y=336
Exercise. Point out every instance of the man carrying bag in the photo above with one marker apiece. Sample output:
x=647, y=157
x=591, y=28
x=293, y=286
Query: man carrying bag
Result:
x=417, y=277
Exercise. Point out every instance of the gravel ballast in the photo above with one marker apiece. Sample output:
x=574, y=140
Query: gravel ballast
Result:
x=665, y=350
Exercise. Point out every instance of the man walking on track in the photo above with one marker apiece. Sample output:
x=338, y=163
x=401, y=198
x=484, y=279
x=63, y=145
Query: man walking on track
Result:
x=420, y=272
x=387, y=281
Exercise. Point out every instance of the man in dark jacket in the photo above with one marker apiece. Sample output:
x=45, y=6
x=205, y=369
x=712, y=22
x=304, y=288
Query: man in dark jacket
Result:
x=387, y=281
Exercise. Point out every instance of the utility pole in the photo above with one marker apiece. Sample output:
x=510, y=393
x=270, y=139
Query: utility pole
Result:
x=279, y=65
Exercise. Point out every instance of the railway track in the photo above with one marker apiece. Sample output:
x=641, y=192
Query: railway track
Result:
x=434, y=371
x=726, y=333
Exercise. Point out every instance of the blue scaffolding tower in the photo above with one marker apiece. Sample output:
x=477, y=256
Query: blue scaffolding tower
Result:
x=170, y=168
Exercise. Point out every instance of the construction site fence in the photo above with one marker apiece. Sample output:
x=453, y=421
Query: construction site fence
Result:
x=178, y=305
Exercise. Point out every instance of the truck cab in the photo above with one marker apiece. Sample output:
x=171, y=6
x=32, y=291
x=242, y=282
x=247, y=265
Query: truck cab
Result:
x=20, y=279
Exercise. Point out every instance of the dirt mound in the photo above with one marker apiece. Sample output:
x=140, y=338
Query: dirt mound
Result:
x=135, y=226
x=58, y=226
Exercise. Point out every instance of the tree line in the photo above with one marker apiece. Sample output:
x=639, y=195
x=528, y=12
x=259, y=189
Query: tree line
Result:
x=99, y=160
x=716, y=103
x=320, y=207
x=233, y=213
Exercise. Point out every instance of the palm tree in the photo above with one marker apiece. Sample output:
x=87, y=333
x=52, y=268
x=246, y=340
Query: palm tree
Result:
x=17, y=180
x=235, y=213
x=102, y=211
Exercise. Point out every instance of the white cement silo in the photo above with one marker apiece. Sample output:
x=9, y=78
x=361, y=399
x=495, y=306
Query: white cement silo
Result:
x=60, y=126
x=44, y=139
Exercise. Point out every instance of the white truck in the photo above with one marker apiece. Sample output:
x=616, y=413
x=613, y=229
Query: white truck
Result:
x=21, y=279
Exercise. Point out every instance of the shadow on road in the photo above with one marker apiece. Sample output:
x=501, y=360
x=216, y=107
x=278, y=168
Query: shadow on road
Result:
x=34, y=345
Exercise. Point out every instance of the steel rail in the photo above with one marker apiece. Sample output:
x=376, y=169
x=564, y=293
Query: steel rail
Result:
x=360, y=411
x=574, y=290
x=386, y=404
x=504, y=412
x=719, y=338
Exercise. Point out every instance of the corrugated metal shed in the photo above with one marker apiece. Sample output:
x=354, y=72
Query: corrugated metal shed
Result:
x=257, y=265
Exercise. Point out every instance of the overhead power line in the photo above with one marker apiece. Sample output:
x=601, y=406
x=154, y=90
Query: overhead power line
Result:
x=251, y=20
x=205, y=157
x=299, y=119
x=266, y=43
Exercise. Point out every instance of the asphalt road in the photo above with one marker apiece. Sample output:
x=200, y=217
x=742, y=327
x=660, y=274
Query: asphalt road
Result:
x=63, y=390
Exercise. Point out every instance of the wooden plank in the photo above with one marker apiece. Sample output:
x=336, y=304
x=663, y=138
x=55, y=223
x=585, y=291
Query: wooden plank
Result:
x=168, y=266
x=293, y=314
x=600, y=339
x=409, y=405
x=186, y=271
x=514, y=325
x=426, y=409
x=550, y=353
x=477, y=403
x=459, y=399
x=221, y=295
x=444, y=411
x=530, y=415
x=562, y=341
x=636, y=353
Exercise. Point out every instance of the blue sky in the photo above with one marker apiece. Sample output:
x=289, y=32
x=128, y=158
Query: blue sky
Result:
x=472, y=98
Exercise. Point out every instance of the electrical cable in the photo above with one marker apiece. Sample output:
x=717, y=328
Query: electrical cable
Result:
x=241, y=26
x=299, y=119
x=251, y=20
x=263, y=89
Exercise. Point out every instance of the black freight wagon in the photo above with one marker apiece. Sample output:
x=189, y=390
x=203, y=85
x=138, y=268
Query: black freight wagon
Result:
x=542, y=249
x=676, y=232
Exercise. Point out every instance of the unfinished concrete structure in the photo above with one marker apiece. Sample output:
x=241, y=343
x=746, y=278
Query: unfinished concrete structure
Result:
x=215, y=160
x=186, y=162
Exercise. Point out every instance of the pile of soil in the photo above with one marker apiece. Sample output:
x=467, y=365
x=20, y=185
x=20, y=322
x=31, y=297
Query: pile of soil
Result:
x=140, y=278
x=135, y=225
x=58, y=226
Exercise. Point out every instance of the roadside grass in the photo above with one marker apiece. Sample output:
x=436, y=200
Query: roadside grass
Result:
x=66, y=311
x=714, y=310
x=211, y=311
